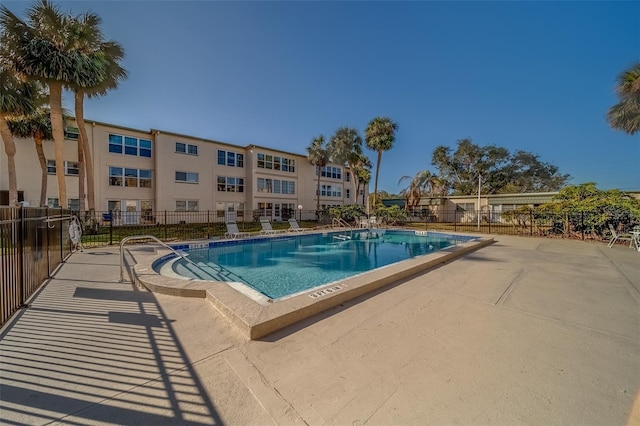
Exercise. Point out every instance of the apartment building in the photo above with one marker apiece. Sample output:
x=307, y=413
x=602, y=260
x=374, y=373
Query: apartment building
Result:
x=139, y=173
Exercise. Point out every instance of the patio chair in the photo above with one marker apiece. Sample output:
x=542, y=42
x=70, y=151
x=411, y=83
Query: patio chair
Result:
x=267, y=229
x=615, y=236
x=233, y=231
x=293, y=226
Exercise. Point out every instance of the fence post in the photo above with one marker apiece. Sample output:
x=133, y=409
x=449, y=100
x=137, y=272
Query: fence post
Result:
x=21, y=259
x=46, y=232
x=530, y=222
x=455, y=219
x=165, y=225
x=111, y=227
x=489, y=214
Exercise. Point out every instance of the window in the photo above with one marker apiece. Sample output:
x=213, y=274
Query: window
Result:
x=186, y=205
x=288, y=187
x=119, y=176
x=188, y=177
x=115, y=176
x=331, y=172
x=145, y=148
x=131, y=177
x=73, y=204
x=71, y=133
x=265, y=185
x=331, y=191
x=230, y=184
x=129, y=145
x=276, y=163
x=70, y=168
x=347, y=176
x=185, y=148
x=145, y=178
x=115, y=144
x=276, y=186
x=347, y=193
x=229, y=158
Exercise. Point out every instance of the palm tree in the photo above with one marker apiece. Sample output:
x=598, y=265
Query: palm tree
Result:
x=359, y=165
x=318, y=156
x=416, y=189
x=379, y=136
x=625, y=115
x=44, y=49
x=37, y=126
x=16, y=97
x=108, y=73
x=345, y=147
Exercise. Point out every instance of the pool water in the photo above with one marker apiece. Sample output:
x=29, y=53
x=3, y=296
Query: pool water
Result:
x=283, y=266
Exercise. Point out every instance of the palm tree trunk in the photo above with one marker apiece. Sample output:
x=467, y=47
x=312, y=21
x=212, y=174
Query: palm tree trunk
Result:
x=10, y=150
x=55, y=102
x=81, y=175
x=83, y=139
x=375, y=190
x=318, y=194
x=37, y=138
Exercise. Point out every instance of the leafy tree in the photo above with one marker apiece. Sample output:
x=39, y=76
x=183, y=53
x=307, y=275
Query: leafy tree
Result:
x=463, y=168
x=497, y=169
x=380, y=136
x=37, y=126
x=392, y=215
x=596, y=208
x=348, y=213
x=625, y=115
x=318, y=156
x=45, y=48
x=16, y=98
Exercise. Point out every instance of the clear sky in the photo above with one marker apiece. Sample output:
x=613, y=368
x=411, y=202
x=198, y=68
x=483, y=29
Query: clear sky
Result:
x=536, y=76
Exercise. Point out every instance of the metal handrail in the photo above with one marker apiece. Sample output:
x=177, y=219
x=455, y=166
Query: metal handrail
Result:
x=342, y=223
x=146, y=237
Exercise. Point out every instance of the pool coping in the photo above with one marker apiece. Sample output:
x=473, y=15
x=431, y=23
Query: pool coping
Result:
x=256, y=320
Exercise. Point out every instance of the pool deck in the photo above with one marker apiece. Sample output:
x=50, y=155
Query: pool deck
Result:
x=523, y=331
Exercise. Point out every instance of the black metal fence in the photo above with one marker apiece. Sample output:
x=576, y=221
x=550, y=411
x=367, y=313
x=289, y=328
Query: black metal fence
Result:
x=33, y=242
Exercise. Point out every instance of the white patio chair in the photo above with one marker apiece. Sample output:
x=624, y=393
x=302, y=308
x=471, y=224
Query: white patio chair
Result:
x=622, y=236
x=293, y=226
x=233, y=231
x=267, y=229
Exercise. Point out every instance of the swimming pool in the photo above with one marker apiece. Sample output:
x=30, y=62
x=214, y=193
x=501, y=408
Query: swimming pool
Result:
x=287, y=265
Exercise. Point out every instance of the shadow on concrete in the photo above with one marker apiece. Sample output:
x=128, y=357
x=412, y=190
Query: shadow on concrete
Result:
x=86, y=355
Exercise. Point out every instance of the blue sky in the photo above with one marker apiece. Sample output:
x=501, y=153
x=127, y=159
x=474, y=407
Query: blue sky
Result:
x=535, y=76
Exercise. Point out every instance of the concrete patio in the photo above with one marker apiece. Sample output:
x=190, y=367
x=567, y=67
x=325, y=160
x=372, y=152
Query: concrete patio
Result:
x=524, y=331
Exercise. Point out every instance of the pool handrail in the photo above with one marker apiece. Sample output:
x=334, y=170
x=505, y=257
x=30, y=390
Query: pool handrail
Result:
x=151, y=237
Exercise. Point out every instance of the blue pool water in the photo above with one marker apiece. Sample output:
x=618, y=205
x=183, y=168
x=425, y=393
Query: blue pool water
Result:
x=285, y=265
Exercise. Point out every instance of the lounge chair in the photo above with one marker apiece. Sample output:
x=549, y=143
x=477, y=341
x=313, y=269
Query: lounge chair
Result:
x=293, y=226
x=233, y=231
x=267, y=229
x=615, y=236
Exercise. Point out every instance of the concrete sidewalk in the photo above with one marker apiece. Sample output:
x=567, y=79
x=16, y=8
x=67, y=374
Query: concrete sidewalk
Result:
x=526, y=331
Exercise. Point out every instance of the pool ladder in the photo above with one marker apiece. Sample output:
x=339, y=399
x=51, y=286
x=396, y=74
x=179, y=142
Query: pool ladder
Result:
x=341, y=224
